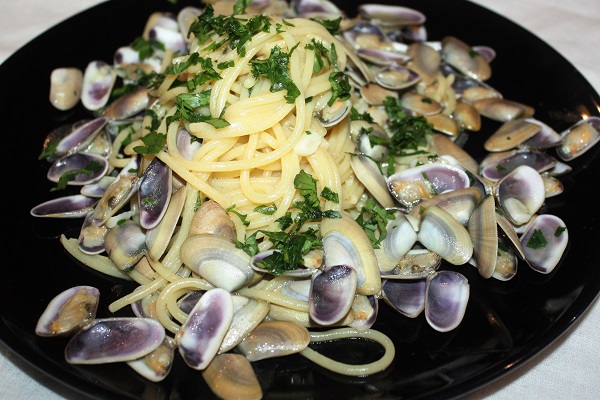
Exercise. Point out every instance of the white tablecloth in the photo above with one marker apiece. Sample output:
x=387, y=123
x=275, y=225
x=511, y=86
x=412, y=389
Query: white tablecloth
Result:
x=567, y=369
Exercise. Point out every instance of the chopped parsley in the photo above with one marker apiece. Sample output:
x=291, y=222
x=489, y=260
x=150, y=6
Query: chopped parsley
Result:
x=91, y=168
x=292, y=242
x=537, y=240
x=154, y=142
x=276, y=69
x=373, y=219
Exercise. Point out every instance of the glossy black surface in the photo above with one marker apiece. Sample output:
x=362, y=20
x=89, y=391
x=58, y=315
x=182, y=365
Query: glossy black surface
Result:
x=506, y=323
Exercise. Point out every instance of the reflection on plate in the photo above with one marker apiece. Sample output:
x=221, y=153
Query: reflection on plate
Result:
x=506, y=323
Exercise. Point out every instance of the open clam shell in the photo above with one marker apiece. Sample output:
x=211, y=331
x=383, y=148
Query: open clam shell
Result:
x=579, y=138
x=68, y=311
x=520, y=194
x=331, y=294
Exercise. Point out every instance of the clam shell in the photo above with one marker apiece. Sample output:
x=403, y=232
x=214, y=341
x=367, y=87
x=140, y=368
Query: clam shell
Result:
x=520, y=194
x=200, y=336
x=331, y=294
x=579, y=138
x=68, y=311
x=446, y=300
x=274, y=339
x=154, y=193
x=461, y=56
x=346, y=243
x=65, y=87
x=75, y=206
x=441, y=233
x=98, y=80
x=484, y=236
x=109, y=340
x=406, y=297
x=511, y=134
x=217, y=259
x=544, y=242
x=230, y=376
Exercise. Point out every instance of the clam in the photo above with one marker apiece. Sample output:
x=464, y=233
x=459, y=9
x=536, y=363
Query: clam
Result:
x=579, y=138
x=417, y=263
x=520, y=194
x=405, y=296
x=444, y=124
x=118, y=194
x=79, y=168
x=156, y=365
x=74, y=206
x=503, y=110
x=361, y=132
x=125, y=244
x=65, y=87
x=546, y=138
x=441, y=233
x=467, y=116
x=544, y=242
x=217, y=259
x=459, y=203
x=390, y=15
x=331, y=294
x=365, y=310
x=230, y=376
x=247, y=314
x=68, y=311
x=91, y=236
x=396, y=77
x=154, y=193
x=425, y=61
x=118, y=339
x=346, y=243
x=128, y=105
x=200, y=336
x=484, y=236
x=426, y=181
x=211, y=218
x=462, y=57
x=368, y=174
x=446, y=300
x=420, y=104
x=511, y=134
x=187, y=144
x=98, y=81
x=76, y=137
x=497, y=167
x=274, y=339
x=399, y=239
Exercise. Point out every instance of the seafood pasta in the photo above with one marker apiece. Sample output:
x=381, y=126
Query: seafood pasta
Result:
x=267, y=174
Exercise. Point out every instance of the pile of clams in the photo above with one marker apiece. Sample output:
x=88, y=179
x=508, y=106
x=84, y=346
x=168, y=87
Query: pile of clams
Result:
x=445, y=207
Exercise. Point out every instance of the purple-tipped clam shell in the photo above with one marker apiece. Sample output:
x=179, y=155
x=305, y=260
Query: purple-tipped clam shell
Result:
x=114, y=340
x=81, y=135
x=535, y=159
x=405, y=296
x=75, y=206
x=201, y=334
x=68, y=311
x=154, y=193
x=544, y=242
x=90, y=166
x=332, y=293
x=446, y=300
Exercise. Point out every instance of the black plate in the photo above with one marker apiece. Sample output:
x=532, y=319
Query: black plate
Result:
x=506, y=323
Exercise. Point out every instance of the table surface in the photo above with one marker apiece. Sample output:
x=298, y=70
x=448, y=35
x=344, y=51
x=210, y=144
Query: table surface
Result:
x=566, y=369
